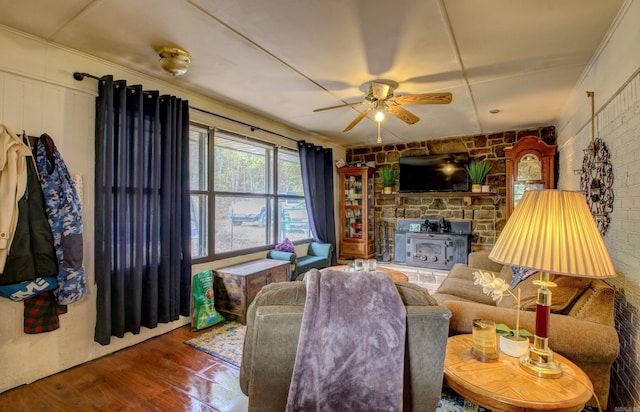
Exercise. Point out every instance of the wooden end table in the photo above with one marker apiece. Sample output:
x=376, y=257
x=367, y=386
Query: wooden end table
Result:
x=504, y=386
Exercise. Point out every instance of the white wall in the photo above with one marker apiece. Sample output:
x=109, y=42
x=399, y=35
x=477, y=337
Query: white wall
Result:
x=614, y=77
x=610, y=69
x=38, y=94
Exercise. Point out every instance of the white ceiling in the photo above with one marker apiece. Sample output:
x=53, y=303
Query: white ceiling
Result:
x=285, y=58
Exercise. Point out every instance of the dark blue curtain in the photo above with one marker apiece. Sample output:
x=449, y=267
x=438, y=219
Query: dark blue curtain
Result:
x=142, y=222
x=316, y=163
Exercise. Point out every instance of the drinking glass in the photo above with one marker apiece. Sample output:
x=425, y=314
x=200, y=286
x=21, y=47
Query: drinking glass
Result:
x=358, y=263
x=371, y=265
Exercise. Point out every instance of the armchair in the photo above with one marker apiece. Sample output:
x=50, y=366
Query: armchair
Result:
x=273, y=326
x=318, y=257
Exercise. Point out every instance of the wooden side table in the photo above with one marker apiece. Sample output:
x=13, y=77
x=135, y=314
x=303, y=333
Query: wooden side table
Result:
x=236, y=286
x=504, y=386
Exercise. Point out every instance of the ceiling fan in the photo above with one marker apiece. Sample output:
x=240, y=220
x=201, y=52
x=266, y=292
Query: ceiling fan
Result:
x=381, y=98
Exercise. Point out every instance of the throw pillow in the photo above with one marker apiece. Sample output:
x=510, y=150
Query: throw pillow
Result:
x=286, y=246
x=568, y=289
x=464, y=289
x=414, y=295
x=520, y=274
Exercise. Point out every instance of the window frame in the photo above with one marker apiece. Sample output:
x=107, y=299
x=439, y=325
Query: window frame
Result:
x=271, y=195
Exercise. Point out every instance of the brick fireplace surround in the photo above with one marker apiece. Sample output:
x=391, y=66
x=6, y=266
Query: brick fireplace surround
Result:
x=487, y=219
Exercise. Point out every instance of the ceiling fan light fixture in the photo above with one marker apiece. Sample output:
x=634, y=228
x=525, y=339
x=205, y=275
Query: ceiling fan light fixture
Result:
x=380, y=95
x=174, y=61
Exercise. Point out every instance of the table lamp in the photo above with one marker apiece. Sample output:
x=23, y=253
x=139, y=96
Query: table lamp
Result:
x=551, y=231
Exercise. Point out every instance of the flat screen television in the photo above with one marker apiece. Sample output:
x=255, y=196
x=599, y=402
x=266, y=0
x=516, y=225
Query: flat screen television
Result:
x=434, y=173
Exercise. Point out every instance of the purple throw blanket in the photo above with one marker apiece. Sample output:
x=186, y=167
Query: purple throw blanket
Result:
x=351, y=348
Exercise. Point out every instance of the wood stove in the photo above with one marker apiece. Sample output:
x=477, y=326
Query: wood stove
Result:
x=432, y=243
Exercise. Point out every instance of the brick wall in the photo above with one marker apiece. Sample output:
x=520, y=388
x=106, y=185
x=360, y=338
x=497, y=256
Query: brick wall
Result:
x=618, y=124
x=487, y=213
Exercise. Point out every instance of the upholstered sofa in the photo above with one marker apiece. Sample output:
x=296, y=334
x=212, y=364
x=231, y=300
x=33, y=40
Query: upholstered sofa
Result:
x=273, y=326
x=582, y=321
x=318, y=256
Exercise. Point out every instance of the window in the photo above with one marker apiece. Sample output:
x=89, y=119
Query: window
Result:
x=247, y=198
x=199, y=186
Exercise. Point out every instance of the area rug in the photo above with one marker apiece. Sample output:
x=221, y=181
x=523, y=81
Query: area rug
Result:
x=224, y=341
x=452, y=402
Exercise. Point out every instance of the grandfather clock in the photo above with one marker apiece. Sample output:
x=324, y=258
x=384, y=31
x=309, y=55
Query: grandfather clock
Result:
x=530, y=165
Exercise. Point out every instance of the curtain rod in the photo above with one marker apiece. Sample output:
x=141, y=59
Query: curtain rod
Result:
x=80, y=76
x=252, y=127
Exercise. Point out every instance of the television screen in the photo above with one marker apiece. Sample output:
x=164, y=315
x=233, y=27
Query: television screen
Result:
x=434, y=173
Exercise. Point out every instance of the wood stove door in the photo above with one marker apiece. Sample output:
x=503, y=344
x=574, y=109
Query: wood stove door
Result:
x=432, y=251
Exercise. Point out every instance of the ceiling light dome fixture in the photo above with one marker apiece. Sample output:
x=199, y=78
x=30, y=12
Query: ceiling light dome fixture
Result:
x=174, y=61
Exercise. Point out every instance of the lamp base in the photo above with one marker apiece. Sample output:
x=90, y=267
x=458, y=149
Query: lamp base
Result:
x=539, y=362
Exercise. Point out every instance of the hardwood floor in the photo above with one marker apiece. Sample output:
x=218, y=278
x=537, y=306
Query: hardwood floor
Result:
x=160, y=374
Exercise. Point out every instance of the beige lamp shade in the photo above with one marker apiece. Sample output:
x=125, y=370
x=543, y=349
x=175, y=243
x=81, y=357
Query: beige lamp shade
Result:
x=553, y=231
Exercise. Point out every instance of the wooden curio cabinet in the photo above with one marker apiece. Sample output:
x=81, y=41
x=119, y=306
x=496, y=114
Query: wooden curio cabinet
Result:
x=530, y=165
x=356, y=212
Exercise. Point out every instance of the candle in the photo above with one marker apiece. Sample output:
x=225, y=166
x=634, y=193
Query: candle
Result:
x=484, y=339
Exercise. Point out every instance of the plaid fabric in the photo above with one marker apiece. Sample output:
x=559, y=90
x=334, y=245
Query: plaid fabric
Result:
x=41, y=313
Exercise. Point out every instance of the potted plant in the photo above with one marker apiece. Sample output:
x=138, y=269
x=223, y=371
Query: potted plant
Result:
x=477, y=171
x=512, y=342
x=388, y=177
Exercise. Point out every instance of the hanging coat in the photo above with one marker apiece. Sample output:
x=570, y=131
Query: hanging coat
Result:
x=13, y=183
x=32, y=254
x=64, y=212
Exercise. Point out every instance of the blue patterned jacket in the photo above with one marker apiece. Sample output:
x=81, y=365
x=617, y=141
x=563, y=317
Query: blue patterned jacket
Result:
x=64, y=212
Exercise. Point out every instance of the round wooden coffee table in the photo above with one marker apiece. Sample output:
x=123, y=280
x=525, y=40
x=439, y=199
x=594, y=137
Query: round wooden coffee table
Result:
x=504, y=386
x=395, y=275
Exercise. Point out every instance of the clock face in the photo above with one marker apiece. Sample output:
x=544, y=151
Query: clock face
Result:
x=529, y=168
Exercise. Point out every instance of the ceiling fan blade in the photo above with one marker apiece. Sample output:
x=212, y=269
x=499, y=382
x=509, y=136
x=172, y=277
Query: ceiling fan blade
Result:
x=403, y=114
x=380, y=90
x=424, y=98
x=339, y=106
x=357, y=119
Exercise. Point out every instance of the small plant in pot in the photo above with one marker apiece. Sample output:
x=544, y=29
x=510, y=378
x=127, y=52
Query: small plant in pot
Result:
x=513, y=342
x=477, y=171
x=388, y=177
